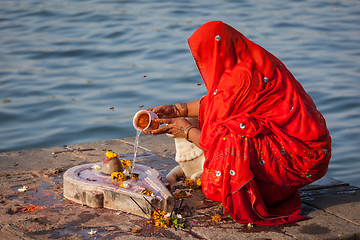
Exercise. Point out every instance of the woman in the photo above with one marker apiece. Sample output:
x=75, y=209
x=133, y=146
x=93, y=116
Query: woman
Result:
x=261, y=133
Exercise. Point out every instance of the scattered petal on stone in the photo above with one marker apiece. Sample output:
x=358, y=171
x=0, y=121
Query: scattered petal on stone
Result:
x=96, y=167
x=250, y=225
x=178, y=216
x=92, y=232
x=22, y=189
x=179, y=193
x=126, y=172
x=193, y=222
x=125, y=185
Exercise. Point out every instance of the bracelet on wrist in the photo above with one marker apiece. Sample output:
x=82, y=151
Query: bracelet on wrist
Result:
x=175, y=110
x=183, y=110
x=186, y=133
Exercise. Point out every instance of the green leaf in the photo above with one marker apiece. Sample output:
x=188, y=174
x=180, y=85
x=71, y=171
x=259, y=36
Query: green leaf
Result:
x=228, y=216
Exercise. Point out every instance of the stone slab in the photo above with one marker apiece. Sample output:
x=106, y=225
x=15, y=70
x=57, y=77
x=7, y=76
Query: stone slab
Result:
x=343, y=202
x=323, y=225
x=88, y=186
x=324, y=182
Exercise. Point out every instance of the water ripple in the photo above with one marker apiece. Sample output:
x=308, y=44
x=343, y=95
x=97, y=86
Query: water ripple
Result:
x=63, y=64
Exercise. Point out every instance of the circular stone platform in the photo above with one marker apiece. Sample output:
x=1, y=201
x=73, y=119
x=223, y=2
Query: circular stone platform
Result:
x=86, y=185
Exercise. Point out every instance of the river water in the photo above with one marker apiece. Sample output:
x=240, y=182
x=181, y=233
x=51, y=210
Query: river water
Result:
x=72, y=71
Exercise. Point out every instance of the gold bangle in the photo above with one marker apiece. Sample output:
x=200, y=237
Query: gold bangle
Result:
x=175, y=109
x=186, y=133
x=183, y=110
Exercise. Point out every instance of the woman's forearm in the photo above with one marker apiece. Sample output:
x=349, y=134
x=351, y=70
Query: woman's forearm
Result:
x=192, y=109
x=194, y=136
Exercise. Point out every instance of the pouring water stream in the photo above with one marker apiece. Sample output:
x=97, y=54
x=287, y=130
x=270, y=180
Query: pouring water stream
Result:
x=135, y=149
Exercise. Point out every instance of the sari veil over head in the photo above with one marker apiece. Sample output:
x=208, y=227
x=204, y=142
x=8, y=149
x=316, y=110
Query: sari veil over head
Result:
x=262, y=134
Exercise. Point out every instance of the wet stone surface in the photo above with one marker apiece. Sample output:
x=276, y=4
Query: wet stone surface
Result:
x=41, y=212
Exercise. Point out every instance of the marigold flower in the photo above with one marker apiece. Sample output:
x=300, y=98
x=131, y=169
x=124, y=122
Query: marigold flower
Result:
x=147, y=192
x=165, y=219
x=126, y=163
x=134, y=176
x=111, y=154
x=216, y=218
x=189, y=182
x=118, y=176
x=198, y=182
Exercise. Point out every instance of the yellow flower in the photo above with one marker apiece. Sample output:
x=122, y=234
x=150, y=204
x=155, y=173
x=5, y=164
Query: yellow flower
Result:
x=198, y=182
x=189, y=182
x=126, y=163
x=114, y=175
x=147, y=192
x=165, y=219
x=111, y=154
x=134, y=176
x=216, y=218
x=124, y=185
x=161, y=223
x=118, y=176
x=159, y=214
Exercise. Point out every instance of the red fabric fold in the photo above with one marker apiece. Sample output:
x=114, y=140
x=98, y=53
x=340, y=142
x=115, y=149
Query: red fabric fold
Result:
x=263, y=134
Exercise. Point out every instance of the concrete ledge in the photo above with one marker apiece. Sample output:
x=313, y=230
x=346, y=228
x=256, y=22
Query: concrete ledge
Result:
x=41, y=212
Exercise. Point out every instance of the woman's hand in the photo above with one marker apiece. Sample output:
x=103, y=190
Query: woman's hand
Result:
x=175, y=126
x=163, y=111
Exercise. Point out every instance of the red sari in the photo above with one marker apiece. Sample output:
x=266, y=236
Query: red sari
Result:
x=262, y=134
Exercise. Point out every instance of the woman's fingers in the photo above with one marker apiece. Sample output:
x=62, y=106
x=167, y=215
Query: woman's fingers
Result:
x=163, y=111
x=164, y=120
x=161, y=130
x=174, y=126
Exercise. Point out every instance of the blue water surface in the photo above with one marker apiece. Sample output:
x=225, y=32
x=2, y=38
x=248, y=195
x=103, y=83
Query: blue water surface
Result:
x=64, y=64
